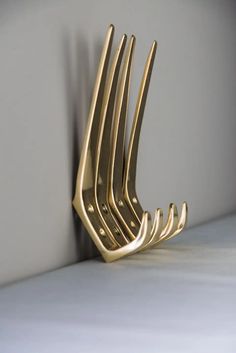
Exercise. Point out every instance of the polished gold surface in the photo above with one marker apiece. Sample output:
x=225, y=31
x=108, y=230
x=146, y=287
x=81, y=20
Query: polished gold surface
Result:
x=106, y=198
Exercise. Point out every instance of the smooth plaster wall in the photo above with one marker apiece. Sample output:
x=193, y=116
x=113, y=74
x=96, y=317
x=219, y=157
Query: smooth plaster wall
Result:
x=49, y=52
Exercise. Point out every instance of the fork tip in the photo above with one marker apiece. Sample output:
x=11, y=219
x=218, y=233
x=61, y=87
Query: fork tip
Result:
x=159, y=212
x=155, y=44
x=111, y=30
x=146, y=215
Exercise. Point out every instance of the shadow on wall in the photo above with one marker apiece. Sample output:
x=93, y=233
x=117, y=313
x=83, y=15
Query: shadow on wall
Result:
x=78, y=90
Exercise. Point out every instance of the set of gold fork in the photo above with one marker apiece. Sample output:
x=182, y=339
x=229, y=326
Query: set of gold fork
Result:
x=105, y=197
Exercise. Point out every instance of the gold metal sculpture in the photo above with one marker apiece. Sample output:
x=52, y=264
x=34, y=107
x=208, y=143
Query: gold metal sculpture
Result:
x=106, y=198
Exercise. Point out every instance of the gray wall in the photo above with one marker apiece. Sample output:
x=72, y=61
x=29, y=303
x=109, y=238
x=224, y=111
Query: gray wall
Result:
x=48, y=59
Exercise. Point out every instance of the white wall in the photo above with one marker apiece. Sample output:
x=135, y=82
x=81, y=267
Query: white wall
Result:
x=49, y=52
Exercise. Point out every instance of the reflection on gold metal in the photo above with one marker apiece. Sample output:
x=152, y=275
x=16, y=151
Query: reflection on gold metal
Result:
x=106, y=198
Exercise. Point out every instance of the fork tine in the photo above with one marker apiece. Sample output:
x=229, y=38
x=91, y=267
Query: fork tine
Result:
x=171, y=221
x=156, y=230
x=182, y=221
x=85, y=176
x=131, y=160
x=116, y=163
x=119, y=125
x=129, y=178
x=104, y=136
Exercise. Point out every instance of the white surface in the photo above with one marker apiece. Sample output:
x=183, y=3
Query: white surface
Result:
x=177, y=299
x=49, y=52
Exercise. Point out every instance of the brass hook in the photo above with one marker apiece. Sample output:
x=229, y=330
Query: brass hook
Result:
x=105, y=197
x=97, y=217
